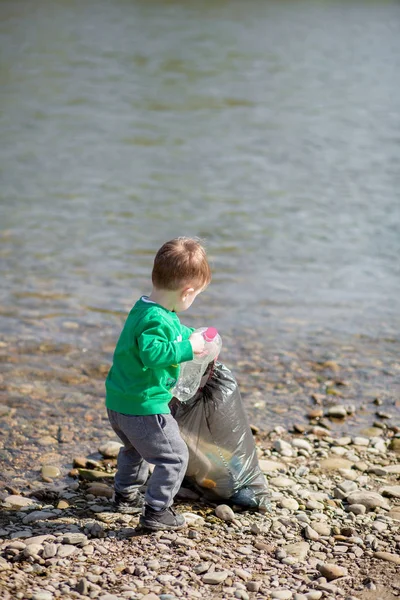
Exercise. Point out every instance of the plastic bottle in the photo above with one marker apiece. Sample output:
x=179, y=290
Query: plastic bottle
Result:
x=193, y=370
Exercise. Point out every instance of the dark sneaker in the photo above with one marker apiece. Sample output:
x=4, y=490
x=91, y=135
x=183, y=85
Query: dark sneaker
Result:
x=161, y=519
x=128, y=504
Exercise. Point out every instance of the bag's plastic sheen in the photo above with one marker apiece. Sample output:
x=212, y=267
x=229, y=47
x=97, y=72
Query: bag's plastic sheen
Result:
x=222, y=454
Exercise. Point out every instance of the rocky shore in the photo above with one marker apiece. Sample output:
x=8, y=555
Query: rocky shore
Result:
x=333, y=532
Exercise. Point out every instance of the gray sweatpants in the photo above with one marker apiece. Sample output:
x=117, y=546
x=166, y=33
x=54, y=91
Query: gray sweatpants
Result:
x=153, y=439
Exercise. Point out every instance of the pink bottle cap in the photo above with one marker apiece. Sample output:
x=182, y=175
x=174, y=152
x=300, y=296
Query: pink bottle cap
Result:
x=210, y=334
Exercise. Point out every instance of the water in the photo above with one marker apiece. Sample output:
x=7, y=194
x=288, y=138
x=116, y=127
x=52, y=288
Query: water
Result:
x=271, y=129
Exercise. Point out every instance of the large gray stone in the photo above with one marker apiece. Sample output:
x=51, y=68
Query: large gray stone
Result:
x=370, y=500
x=393, y=469
x=391, y=491
x=38, y=515
x=75, y=538
x=18, y=501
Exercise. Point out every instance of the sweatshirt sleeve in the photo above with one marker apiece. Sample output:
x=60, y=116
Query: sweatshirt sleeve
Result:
x=186, y=332
x=156, y=351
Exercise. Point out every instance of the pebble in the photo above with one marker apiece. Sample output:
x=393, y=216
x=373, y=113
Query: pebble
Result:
x=43, y=595
x=39, y=539
x=282, y=482
x=349, y=474
x=357, y=509
x=193, y=520
x=244, y=544
x=110, y=449
x=268, y=466
x=215, y=577
x=393, y=558
x=379, y=526
x=283, y=448
x=245, y=550
x=343, y=441
x=245, y=575
x=93, y=475
x=100, y=490
x=49, y=550
x=289, y=503
x=361, y=441
x=74, y=538
x=21, y=534
x=225, y=513
x=50, y=471
x=335, y=463
x=310, y=533
x=337, y=411
x=281, y=594
x=165, y=578
x=393, y=469
x=18, y=501
x=201, y=568
x=303, y=444
x=347, y=486
x=391, y=491
x=394, y=445
x=32, y=550
x=253, y=586
x=322, y=528
x=65, y=550
x=298, y=550
x=331, y=571
x=241, y=595
x=315, y=413
x=39, y=515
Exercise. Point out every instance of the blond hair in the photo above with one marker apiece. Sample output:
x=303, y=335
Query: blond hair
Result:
x=179, y=262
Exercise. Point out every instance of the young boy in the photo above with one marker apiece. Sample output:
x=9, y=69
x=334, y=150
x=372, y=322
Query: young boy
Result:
x=145, y=368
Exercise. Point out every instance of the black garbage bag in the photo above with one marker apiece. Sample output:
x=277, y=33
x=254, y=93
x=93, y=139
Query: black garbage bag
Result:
x=223, y=461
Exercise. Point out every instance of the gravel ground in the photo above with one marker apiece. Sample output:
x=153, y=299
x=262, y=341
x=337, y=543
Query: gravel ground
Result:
x=332, y=533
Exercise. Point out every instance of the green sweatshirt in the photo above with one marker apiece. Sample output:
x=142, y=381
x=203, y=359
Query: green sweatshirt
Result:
x=146, y=360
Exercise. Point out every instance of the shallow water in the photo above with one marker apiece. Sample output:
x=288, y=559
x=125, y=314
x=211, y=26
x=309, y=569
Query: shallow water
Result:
x=271, y=129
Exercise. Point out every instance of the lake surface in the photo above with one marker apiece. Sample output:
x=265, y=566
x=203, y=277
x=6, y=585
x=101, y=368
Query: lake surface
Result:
x=270, y=129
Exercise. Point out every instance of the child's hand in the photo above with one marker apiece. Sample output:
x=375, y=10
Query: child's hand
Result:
x=198, y=343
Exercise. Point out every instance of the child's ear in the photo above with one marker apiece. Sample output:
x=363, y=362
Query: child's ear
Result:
x=186, y=291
